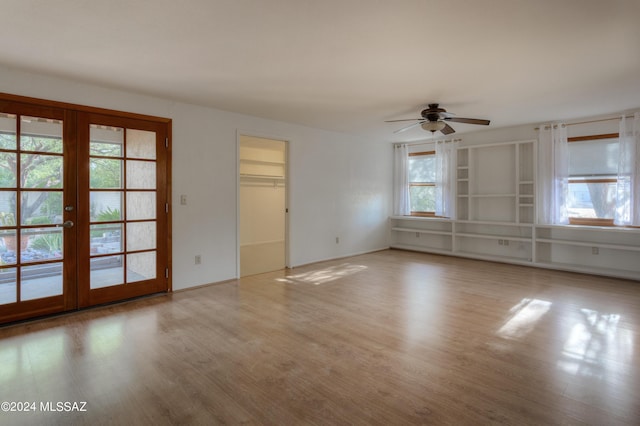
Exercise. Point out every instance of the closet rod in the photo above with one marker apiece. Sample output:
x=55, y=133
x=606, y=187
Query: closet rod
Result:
x=245, y=175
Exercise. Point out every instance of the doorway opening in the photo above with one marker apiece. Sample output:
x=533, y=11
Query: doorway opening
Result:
x=262, y=205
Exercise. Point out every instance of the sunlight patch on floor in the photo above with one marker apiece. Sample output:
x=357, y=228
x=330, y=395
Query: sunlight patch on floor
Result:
x=596, y=345
x=323, y=276
x=524, y=317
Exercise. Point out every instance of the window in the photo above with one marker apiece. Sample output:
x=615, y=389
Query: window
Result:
x=593, y=170
x=422, y=187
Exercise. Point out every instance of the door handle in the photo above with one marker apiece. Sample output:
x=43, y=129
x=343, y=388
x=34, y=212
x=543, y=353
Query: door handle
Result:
x=66, y=224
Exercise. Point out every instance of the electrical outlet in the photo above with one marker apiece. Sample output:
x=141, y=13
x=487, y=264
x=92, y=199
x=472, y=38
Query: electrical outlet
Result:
x=595, y=250
x=337, y=240
x=500, y=242
x=505, y=242
x=198, y=259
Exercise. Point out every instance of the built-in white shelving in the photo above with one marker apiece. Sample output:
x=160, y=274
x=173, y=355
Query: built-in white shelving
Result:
x=496, y=182
x=417, y=233
x=597, y=250
x=602, y=251
x=496, y=207
x=495, y=201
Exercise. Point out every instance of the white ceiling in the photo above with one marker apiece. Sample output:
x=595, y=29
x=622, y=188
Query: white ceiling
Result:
x=344, y=65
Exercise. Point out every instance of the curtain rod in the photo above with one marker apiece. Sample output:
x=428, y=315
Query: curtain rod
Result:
x=586, y=122
x=426, y=143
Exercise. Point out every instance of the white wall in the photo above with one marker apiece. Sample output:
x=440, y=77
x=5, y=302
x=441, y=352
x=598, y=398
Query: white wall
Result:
x=340, y=185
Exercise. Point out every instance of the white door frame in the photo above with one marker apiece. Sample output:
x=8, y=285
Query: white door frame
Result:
x=287, y=182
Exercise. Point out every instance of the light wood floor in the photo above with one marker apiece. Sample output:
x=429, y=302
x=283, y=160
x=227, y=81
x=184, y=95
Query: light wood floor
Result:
x=386, y=338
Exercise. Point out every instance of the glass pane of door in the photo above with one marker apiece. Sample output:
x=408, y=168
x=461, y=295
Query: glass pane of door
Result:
x=32, y=164
x=106, y=185
x=83, y=208
x=123, y=203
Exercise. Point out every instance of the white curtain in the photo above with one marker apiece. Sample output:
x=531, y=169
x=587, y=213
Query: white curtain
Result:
x=445, y=178
x=628, y=186
x=401, y=205
x=553, y=175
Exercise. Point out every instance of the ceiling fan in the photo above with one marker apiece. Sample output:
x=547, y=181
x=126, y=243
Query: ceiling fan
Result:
x=434, y=119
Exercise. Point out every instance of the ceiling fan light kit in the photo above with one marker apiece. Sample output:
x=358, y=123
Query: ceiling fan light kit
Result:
x=434, y=119
x=433, y=126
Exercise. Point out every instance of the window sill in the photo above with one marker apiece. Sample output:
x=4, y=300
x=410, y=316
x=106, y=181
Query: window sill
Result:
x=422, y=214
x=598, y=222
x=591, y=222
x=593, y=227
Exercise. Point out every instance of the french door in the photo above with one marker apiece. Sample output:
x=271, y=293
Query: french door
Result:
x=83, y=209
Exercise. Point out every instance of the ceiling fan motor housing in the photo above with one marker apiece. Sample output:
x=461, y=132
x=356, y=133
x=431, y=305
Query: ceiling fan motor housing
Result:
x=432, y=113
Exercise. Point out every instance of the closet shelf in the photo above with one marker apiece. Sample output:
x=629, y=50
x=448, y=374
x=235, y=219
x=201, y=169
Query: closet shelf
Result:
x=266, y=177
x=273, y=163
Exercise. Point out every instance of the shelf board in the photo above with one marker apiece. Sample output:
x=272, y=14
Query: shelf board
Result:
x=525, y=205
x=486, y=222
x=421, y=249
x=526, y=182
x=492, y=195
x=421, y=218
x=463, y=180
x=272, y=163
x=609, y=272
x=493, y=237
x=264, y=177
x=505, y=259
x=421, y=231
x=588, y=244
x=463, y=167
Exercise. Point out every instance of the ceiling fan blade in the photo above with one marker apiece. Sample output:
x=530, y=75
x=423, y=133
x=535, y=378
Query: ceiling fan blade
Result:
x=409, y=127
x=447, y=130
x=405, y=119
x=468, y=120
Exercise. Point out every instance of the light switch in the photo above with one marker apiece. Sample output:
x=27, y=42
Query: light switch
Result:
x=183, y=200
